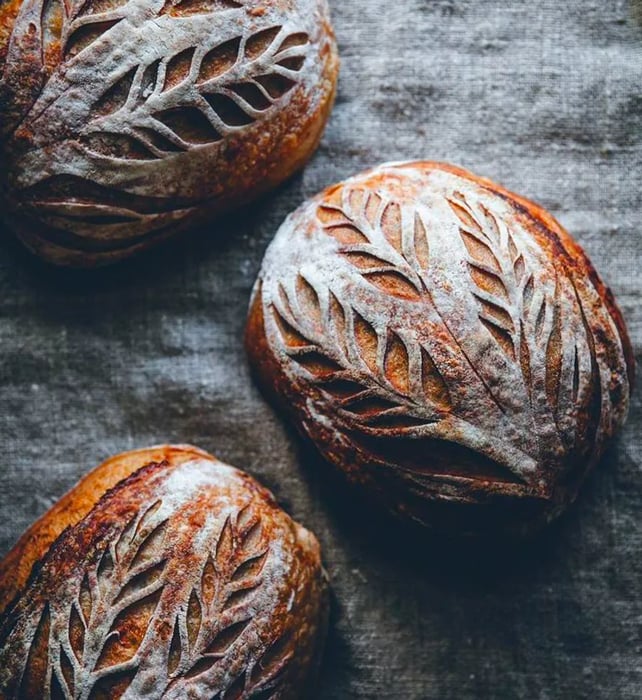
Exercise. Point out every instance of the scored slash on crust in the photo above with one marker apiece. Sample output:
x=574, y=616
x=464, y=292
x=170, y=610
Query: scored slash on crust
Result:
x=371, y=334
x=174, y=596
x=107, y=91
x=194, y=98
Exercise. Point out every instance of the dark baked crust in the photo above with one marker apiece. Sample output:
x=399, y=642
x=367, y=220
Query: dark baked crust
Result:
x=443, y=342
x=183, y=580
x=124, y=122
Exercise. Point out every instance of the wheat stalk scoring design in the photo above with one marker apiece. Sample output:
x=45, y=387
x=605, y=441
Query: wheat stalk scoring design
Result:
x=210, y=624
x=171, y=102
x=381, y=379
x=95, y=96
x=195, y=97
x=98, y=638
x=91, y=644
x=358, y=367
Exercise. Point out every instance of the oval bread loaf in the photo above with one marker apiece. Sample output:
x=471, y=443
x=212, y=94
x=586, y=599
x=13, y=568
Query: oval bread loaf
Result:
x=125, y=121
x=445, y=343
x=164, y=573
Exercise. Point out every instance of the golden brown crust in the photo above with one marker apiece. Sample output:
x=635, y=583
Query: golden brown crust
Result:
x=74, y=506
x=184, y=579
x=125, y=123
x=444, y=342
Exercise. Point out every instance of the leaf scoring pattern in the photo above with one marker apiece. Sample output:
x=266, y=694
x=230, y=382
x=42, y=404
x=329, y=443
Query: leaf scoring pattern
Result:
x=376, y=242
x=215, y=619
x=107, y=621
x=381, y=392
x=190, y=99
x=172, y=586
x=497, y=269
x=431, y=314
x=114, y=611
x=118, y=86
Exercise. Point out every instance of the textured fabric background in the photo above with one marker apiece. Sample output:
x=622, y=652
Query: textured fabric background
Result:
x=545, y=97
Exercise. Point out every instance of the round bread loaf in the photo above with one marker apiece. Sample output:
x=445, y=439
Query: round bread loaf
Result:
x=125, y=121
x=445, y=343
x=163, y=573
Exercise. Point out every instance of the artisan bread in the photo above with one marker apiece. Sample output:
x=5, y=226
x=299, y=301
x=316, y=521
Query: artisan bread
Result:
x=125, y=121
x=164, y=573
x=445, y=344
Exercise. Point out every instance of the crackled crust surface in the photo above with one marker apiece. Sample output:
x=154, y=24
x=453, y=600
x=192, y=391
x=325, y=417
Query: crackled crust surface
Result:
x=444, y=342
x=125, y=121
x=183, y=580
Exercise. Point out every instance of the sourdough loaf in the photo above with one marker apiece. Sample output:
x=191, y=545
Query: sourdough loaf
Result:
x=444, y=343
x=123, y=122
x=164, y=573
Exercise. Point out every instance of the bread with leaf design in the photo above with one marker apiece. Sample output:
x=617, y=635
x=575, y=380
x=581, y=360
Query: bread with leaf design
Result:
x=443, y=342
x=123, y=122
x=163, y=574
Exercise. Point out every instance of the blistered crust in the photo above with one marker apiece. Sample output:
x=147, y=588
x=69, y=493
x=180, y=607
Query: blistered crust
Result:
x=126, y=121
x=184, y=580
x=445, y=343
